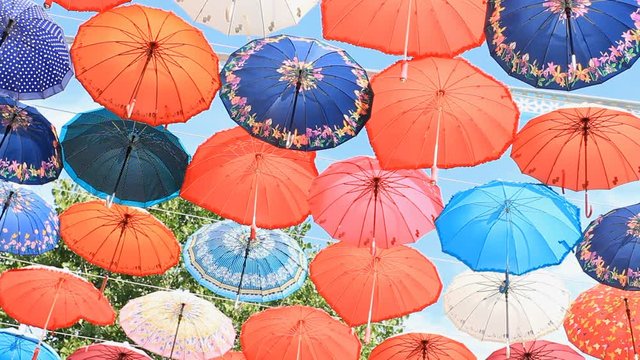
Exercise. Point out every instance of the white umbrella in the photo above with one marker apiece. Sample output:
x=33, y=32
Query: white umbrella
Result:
x=490, y=307
x=247, y=17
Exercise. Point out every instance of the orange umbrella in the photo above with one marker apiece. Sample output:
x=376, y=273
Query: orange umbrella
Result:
x=228, y=168
x=447, y=114
x=231, y=355
x=51, y=298
x=119, y=239
x=581, y=148
x=297, y=333
x=85, y=5
x=362, y=287
x=603, y=322
x=419, y=346
x=146, y=64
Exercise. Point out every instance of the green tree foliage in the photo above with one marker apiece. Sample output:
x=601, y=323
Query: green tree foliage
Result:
x=120, y=288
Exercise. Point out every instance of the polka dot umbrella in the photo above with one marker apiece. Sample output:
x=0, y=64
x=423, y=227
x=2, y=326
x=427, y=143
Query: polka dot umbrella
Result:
x=34, y=58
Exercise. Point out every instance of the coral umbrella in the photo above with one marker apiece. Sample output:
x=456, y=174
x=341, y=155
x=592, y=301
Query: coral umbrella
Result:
x=16, y=345
x=580, y=148
x=603, y=322
x=119, y=239
x=146, y=64
x=249, y=181
x=363, y=287
x=356, y=201
x=85, y=5
x=536, y=350
x=447, y=114
x=419, y=346
x=108, y=351
x=231, y=355
x=177, y=325
x=297, y=333
x=51, y=298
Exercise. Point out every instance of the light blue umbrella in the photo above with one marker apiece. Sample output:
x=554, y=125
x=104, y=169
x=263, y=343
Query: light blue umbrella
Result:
x=509, y=227
x=15, y=345
x=224, y=258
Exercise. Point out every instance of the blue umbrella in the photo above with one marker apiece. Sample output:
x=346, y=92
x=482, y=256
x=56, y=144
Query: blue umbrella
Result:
x=296, y=92
x=29, y=149
x=34, y=58
x=508, y=227
x=14, y=345
x=235, y=262
x=564, y=44
x=610, y=248
x=28, y=225
x=126, y=161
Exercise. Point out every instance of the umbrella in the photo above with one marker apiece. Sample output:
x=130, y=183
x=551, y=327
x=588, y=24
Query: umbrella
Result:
x=128, y=162
x=29, y=149
x=146, y=64
x=297, y=333
x=447, y=114
x=363, y=287
x=249, y=181
x=537, y=350
x=490, y=308
x=563, y=45
x=34, y=56
x=356, y=201
x=85, y=5
x=419, y=346
x=231, y=355
x=296, y=92
x=603, y=323
x=119, y=239
x=178, y=325
x=508, y=227
x=14, y=345
x=235, y=262
x=108, y=351
x=29, y=226
x=51, y=298
x=253, y=18
x=566, y=148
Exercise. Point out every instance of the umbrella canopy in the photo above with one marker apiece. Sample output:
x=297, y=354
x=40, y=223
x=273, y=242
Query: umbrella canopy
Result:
x=15, y=345
x=233, y=261
x=108, y=351
x=146, y=64
x=566, y=148
x=419, y=346
x=297, y=333
x=85, y=5
x=296, y=92
x=29, y=149
x=253, y=17
x=249, y=181
x=563, y=45
x=409, y=27
x=509, y=227
x=536, y=350
x=29, y=225
x=178, y=325
x=129, y=162
x=603, y=322
x=433, y=120
x=363, y=287
x=356, y=201
x=491, y=308
x=231, y=355
x=119, y=239
x=34, y=58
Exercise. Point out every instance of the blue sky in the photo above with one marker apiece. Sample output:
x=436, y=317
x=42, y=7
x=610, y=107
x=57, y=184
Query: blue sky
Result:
x=433, y=320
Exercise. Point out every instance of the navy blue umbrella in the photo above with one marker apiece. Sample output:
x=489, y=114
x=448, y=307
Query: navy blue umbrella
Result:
x=126, y=161
x=296, y=92
x=29, y=149
x=564, y=44
x=34, y=58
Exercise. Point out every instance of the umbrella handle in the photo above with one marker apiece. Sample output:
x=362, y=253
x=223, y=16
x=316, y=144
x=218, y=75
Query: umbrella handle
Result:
x=47, y=4
x=36, y=352
x=588, y=209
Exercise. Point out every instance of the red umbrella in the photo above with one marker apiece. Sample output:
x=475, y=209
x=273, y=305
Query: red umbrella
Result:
x=109, y=351
x=418, y=346
x=85, y=5
x=362, y=287
x=231, y=355
x=358, y=202
x=537, y=350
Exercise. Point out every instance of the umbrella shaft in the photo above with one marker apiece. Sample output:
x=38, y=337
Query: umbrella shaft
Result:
x=7, y=132
x=7, y=202
x=633, y=340
x=175, y=337
x=7, y=30
x=124, y=166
